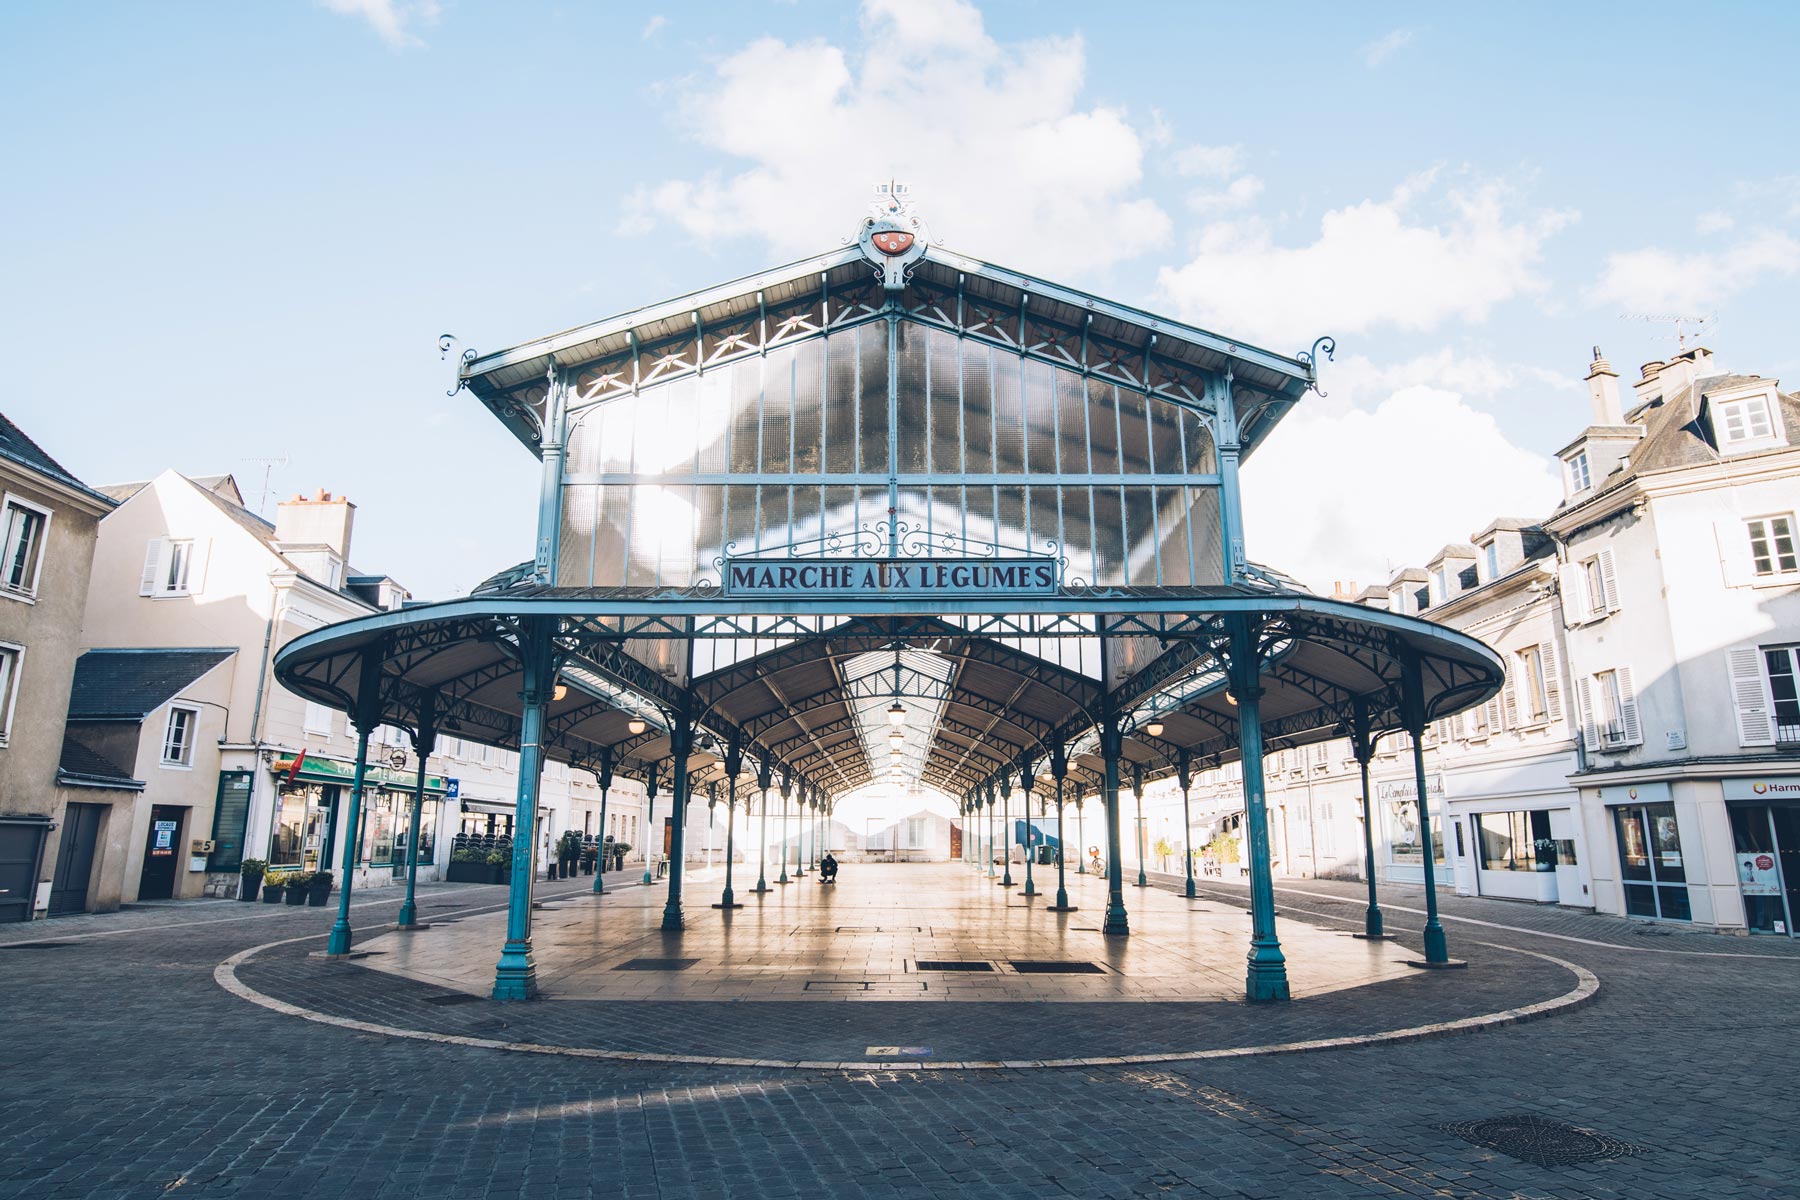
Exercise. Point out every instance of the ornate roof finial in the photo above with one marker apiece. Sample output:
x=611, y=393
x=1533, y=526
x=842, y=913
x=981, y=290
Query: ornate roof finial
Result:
x=892, y=237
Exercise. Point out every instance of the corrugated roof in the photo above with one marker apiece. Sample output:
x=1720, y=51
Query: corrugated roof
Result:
x=116, y=684
x=14, y=444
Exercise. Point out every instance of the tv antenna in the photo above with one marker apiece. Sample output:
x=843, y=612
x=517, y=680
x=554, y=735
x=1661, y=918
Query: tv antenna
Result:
x=268, y=465
x=1686, y=325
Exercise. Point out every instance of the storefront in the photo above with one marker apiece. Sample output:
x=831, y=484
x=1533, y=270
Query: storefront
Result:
x=1652, y=869
x=1765, y=835
x=310, y=795
x=1397, y=801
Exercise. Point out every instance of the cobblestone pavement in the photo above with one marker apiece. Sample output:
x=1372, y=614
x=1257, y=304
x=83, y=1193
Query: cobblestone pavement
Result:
x=129, y=1073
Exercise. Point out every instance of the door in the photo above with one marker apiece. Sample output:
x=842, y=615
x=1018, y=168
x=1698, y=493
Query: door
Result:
x=1787, y=851
x=161, y=850
x=956, y=836
x=20, y=845
x=1571, y=873
x=75, y=857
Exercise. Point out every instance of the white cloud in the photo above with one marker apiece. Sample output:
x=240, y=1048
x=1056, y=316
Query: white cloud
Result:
x=1376, y=263
x=654, y=26
x=1385, y=47
x=1664, y=279
x=1004, y=161
x=392, y=20
x=1214, y=161
x=1713, y=222
x=1352, y=494
x=1241, y=193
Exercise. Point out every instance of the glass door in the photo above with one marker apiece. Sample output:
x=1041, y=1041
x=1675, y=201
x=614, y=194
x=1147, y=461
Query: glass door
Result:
x=1650, y=863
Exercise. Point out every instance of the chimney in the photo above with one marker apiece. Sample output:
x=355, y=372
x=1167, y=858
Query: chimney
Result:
x=1650, y=386
x=318, y=520
x=1603, y=391
x=1682, y=370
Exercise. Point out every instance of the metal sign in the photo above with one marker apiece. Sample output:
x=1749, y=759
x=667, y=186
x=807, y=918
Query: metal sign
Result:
x=887, y=578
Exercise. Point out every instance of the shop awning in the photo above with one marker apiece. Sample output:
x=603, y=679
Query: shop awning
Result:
x=315, y=769
x=492, y=808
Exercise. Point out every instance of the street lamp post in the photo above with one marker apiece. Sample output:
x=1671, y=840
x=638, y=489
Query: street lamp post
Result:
x=604, y=776
x=1059, y=770
x=1184, y=774
x=1025, y=782
x=1006, y=833
x=1137, y=789
x=763, y=779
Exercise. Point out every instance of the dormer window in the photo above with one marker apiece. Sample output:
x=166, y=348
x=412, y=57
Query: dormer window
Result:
x=1492, y=552
x=1744, y=424
x=1581, y=476
x=1441, y=579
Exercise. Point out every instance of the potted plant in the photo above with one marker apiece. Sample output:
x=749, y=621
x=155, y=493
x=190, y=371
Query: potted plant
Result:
x=250, y=877
x=496, y=867
x=619, y=851
x=318, y=888
x=467, y=865
x=296, y=887
x=272, y=884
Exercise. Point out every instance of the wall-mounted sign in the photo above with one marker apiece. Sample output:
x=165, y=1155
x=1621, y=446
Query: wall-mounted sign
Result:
x=883, y=578
x=1763, y=788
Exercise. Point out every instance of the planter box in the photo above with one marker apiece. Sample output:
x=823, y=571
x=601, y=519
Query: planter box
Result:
x=296, y=896
x=249, y=887
x=466, y=872
x=316, y=897
x=271, y=895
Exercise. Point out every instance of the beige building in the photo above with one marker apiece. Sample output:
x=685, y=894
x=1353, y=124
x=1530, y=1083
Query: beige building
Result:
x=49, y=521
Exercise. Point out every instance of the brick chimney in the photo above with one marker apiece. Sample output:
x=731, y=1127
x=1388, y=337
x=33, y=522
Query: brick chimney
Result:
x=317, y=520
x=1603, y=391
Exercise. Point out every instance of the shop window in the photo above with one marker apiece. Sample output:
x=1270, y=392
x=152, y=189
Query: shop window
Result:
x=1651, y=868
x=178, y=736
x=1515, y=841
x=1766, y=840
x=25, y=527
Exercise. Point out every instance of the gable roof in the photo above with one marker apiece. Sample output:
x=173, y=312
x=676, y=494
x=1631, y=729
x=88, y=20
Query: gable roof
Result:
x=211, y=483
x=131, y=684
x=15, y=445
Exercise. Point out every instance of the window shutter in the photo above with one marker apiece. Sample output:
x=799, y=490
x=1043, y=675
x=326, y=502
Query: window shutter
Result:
x=1751, y=697
x=1609, y=581
x=1493, y=716
x=197, y=559
x=1590, y=733
x=1574, y=594
x=1734, y=553
x=1509, y=695
x=1552, y=681
x=1628, y=709
x=152, y=563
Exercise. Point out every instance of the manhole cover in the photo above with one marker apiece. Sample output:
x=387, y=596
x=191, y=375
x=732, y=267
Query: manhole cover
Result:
x=657, y=964
x=39, y=945
x=953, y=964
x=453, y=998
x=1535, y=1139
x=1030, y=967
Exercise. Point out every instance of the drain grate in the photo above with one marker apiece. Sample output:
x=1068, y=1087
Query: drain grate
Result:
x=881, y=929
x=889, y=987
x=1044, y=967
x=657, y=964
x=39, y=945
x=953, y=964
x=453, y=998
x=1539, y=1140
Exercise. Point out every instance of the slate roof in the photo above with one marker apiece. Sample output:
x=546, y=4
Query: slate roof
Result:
x=83, y=766
x=125, y=491
x=131, y=684
x=15, y=445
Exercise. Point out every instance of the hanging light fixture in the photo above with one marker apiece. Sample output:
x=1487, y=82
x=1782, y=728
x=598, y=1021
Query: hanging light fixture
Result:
x=897, y=738
x=1231, y=699
x=897, y=714
x=561, y=690
x=1154, y=728
x=636, y=726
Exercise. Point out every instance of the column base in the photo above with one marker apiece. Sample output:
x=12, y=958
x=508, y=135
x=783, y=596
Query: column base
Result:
x=1448, y=964
x=1189, y=892
x=1117, y=924
x=721, y=905
x=673, y=921
x=1007, y=883
x=1029, y=889
x=515, y=978
x=1263, y=984
x=761, y=887
x=338, y=944
x=1061, y=906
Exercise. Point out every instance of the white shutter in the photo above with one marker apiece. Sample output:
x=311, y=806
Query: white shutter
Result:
x=1734, y=553
x=1493, y=715
x=1750, y=694
x=198, y=554
x=1509, y=695
x=1628, y=709
x=1552, y=681
x=153, y=556
x=1609, y=581
x=1574, y=594
x=1590, y=733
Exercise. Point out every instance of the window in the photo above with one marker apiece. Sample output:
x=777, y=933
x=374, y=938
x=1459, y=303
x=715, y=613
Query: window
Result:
x=318, y=718
x=24, y=547
x=172, y=567
x=1442, y=588
x=1515, y=841
x=1580, y=477
x=1493, y=560
x=1609, y=710
x=1783, y=692
x=1531, y=679
x=178, y=737
x=1740, y=423
x=1595, y=587
x=1590, y=588
x=10, y=658
x=915, y=833
x=1772, y=545
x=175, y=574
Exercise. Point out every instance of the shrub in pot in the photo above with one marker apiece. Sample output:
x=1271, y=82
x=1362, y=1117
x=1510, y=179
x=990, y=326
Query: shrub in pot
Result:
x=273, y=883
x=496, y=865
x=250, y=877
x=296, y=887
x=318, y=888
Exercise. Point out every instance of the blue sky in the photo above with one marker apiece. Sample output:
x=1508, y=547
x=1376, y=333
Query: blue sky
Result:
x=235, y=231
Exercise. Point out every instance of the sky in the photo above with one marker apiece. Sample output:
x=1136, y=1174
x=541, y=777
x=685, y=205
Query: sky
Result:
x=232, y=234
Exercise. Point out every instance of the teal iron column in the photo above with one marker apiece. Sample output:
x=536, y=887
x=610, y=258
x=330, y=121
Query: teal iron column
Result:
x=1059, y=771
x=367, y=716
x=1184, y=775
x=764, y=780
x=990, y=831
x=734, y=766
x=1266, y=976
x=787, y=796
x=1137, y=789
x=1362, y=745
x=1112, y=744
x=1025, y=783
x=681, y=742
x=1007, y=834
x=1412, y=711
x=604, y=777
x=1231, y=507
x=650, y=774
x=1081, y=834
x=424, y=742
x=515, y=976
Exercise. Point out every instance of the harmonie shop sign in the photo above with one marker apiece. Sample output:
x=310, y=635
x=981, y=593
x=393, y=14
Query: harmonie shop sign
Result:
x=882, y=578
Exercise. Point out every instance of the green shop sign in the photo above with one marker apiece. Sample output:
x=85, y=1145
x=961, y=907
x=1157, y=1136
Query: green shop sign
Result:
x=314, y=769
